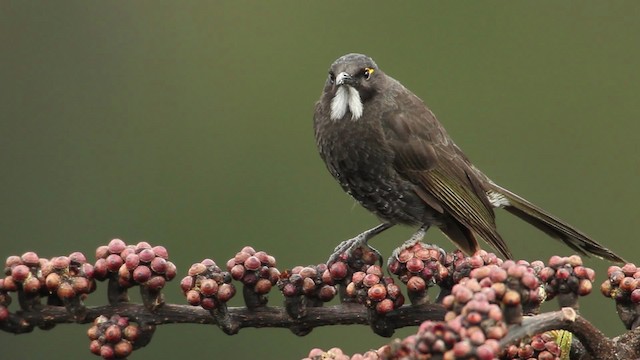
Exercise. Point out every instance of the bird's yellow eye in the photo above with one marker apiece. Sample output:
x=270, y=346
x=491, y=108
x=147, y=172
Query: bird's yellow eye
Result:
x=367, y=73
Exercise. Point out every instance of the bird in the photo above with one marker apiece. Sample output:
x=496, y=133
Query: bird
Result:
x=387, y=150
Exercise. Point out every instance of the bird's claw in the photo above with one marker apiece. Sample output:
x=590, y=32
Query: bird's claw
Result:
x=346, y=249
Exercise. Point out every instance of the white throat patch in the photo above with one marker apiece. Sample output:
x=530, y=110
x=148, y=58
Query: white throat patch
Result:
x=347, y=98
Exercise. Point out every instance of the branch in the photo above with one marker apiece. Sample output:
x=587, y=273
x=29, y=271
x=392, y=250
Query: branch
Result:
x=242, y=317
x=593, y=340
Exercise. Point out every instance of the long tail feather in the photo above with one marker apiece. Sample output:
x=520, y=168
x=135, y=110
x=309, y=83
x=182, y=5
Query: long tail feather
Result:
x=553, y=226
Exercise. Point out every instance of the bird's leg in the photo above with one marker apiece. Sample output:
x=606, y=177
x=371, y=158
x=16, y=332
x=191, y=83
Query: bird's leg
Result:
x=350, y=245
x=415, y=238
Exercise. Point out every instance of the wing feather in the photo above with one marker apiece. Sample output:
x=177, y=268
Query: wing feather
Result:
x=426, y=156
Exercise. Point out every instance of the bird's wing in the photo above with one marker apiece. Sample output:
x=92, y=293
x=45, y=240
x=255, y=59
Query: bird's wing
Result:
x=426, y=156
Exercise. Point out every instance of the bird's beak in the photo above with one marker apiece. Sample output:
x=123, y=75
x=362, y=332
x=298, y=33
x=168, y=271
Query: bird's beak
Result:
x=344, y=78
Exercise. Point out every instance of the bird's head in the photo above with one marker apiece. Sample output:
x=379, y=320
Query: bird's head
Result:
x=353, y=80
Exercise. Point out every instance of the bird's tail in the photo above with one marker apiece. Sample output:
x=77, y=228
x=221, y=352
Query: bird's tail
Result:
x=551, y=225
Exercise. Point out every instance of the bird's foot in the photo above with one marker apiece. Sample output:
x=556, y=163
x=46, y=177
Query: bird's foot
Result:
x=347, y=248
x=414, y=239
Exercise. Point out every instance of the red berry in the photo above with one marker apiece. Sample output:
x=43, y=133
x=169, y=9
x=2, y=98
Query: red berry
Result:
x=416, y=284
x=197, y=269
x=226, y=292
x=156, y=283
x=122, y=349
x=263, y=286
x=114, y=262
x=377, y=292
x=193, y=297
x=116, y=246
x=159, y=265
x=208, y=287
x=141, y=274
x=30, y=258
x=252, y=263
x=338, y=270
x=146, y=255
x=384, y=306
x=160, y=251
x=20, y=273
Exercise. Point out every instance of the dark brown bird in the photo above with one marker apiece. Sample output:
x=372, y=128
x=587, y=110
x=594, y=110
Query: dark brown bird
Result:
x=389, y=152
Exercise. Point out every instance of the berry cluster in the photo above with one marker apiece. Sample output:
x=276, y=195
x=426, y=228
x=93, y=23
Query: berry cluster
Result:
x=374, y=290
x=63, y=279
x=69, y=276
x=207, y=285
x=5, y=301
x=542, y=347
x=112, y=338
x=338, y=354
x=513, y=285
x=419, y=266
x=139, y=264
x=314, y=282
x=566, y=278
x=475, y=317
x=460, y=265
x=623, y=285
x=25, y=273
x=342, y=270
x=257, y=271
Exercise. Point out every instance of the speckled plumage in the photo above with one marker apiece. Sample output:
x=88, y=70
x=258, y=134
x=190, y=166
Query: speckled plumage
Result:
x=397, y=161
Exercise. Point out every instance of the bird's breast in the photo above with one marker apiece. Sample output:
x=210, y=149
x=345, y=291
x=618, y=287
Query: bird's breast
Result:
x=358, y=157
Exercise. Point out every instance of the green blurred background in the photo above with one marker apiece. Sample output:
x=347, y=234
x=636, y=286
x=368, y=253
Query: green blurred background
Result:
x=188, y=124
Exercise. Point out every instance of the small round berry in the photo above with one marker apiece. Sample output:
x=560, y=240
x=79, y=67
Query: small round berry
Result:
x=113, y=333
x=122, y=349
x=186, y=283
x=116, y=246
x=416, y=284
x=252, y=263
x=377, y=292
x=263, y=286
x=415, y=265
x=197, y=269
x=20, y=273
x=65, y=291
x=132, y=261
x=208, y=287
x=131, y=332
x=338, y=270
x=159, y=265
x=237, y=272
x=384, y=306
x=226, y=292
x=114, y=262
x=31, y=285
x=193, y=297
x=241, y=257
x=81, y=285
x=160, y=251
x=511, y=298
x=370, y=280
x=29, y=258
x=107, y=352
x=156, y=283
x=208, y=303
x=60, y=262
x=146, y=255
x=327, y=292
x=584, y=287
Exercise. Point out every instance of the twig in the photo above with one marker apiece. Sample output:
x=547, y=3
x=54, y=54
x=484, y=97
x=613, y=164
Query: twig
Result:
x=345, y=314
